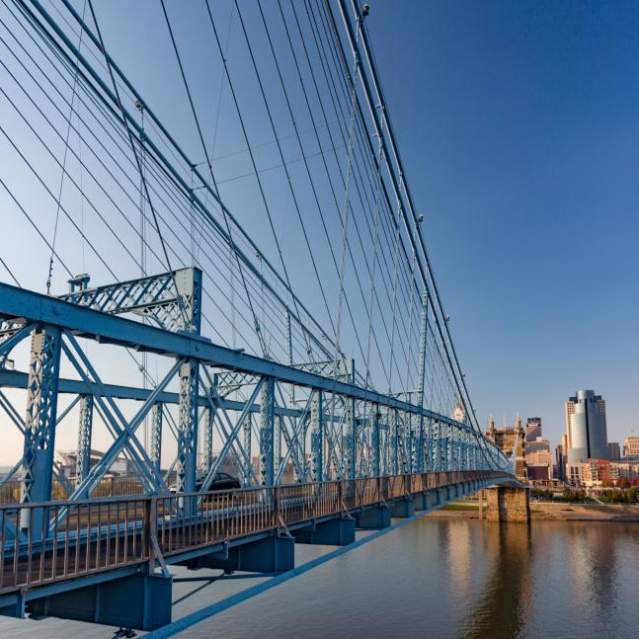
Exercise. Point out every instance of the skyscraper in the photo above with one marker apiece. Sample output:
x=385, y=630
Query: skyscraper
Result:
x=586, y=427
x=615, y=451
x=533, y=428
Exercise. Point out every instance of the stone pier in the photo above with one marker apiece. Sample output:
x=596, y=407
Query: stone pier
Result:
x=507, y=503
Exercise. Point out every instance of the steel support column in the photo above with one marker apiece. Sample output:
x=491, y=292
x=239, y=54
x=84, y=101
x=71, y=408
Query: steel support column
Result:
x=187, y=427
x=39, y=434
x=421, y=382
x=317, y=436
x=376, y=444
x=208, y=438
x=156, y=434
x=350, y=439
x=83, y=459
x=267, y=428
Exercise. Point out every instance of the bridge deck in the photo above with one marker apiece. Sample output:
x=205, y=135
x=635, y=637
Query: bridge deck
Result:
x=60, y=541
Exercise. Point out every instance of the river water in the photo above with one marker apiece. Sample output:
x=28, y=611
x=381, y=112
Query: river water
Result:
x=458, y=578
x=434, y=577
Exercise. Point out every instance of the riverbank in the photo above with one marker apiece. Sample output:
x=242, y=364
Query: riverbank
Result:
x=552, y=511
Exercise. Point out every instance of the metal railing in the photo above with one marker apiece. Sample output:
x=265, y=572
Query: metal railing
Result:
x=52, y=541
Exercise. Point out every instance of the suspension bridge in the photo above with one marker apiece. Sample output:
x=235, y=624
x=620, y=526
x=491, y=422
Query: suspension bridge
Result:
x=230, y=276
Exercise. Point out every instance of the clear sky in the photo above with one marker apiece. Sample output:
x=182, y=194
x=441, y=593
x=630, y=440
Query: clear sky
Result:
x=518, y=125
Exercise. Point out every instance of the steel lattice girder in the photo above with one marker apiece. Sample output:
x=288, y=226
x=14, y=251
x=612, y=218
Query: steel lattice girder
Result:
x=172, y=300
x=18, y=303
x=112, y=329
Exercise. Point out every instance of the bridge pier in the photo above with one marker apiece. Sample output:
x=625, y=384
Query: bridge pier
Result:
x=373, y=518
x=403, y=508
x=269, y=555
x=140, y=601
x=335, y=532
x=420, y=501
x=508, y=503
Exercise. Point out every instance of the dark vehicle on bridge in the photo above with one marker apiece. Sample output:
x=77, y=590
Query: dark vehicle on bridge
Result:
x=221, y=481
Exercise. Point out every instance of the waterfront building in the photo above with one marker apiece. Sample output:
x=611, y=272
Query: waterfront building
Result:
x=614, y=450
x=539, y=459
x=511, y=440
x=533, y=428
x=631, y=447
x=585, y=416
x=601, y=473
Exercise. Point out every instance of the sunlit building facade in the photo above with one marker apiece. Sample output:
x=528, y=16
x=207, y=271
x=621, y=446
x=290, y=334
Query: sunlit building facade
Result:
x=586, y=429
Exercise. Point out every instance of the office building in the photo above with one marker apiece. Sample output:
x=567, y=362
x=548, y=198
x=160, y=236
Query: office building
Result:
x=539, y=459
x=614, y=450
x=560, y=462
x=533, y=428
x=631, y=447
x=586, y=430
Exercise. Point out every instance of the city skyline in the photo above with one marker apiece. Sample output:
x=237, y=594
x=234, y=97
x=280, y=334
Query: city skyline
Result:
x=318, y=318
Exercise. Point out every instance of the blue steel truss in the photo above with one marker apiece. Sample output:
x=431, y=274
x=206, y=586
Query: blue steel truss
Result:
x=349, y=431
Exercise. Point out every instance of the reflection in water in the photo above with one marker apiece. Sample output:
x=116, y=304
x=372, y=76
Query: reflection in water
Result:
x=460, y=551
x=458, y=579
x=500, y=611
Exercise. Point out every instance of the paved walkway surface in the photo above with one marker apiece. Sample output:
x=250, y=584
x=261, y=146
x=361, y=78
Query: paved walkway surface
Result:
x=192, y=590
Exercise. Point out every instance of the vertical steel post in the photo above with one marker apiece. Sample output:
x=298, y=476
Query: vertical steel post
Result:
x=187, y=427
x=157, y=414
x=350, y=439
x=377, y=467
x=401, y=427
x=40, y=422
x=317, y=436
x=83, y=458
x=441, y=448
x=423, y=334
x=430, y=446
x=413, y=439
x=247, y=436
x=267, y=426
x=208, y=438
x=395, y=441
x=278, y=428
x=188, y=283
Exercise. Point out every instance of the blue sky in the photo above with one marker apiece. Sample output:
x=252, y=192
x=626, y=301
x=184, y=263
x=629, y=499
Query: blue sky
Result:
x=518, y=124
x=518, y=127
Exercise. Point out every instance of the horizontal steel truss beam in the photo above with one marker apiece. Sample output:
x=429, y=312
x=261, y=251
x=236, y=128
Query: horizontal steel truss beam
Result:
x=171, y=299
x=19, y=379
x=18, y=303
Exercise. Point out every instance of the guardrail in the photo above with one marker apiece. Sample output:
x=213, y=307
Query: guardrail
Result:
x=52, y=541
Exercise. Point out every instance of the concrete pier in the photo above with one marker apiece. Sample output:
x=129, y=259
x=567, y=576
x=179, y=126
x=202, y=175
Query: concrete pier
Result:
x=507, y=503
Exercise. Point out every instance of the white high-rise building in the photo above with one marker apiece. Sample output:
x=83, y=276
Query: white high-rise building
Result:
x=586, y=429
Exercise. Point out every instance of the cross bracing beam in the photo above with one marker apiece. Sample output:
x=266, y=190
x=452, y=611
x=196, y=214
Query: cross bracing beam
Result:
x=18, y=379
x=172, y=300
x=87, y=323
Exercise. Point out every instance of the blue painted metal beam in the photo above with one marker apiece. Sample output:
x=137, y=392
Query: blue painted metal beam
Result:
x=16, y=302
x=40, y=422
